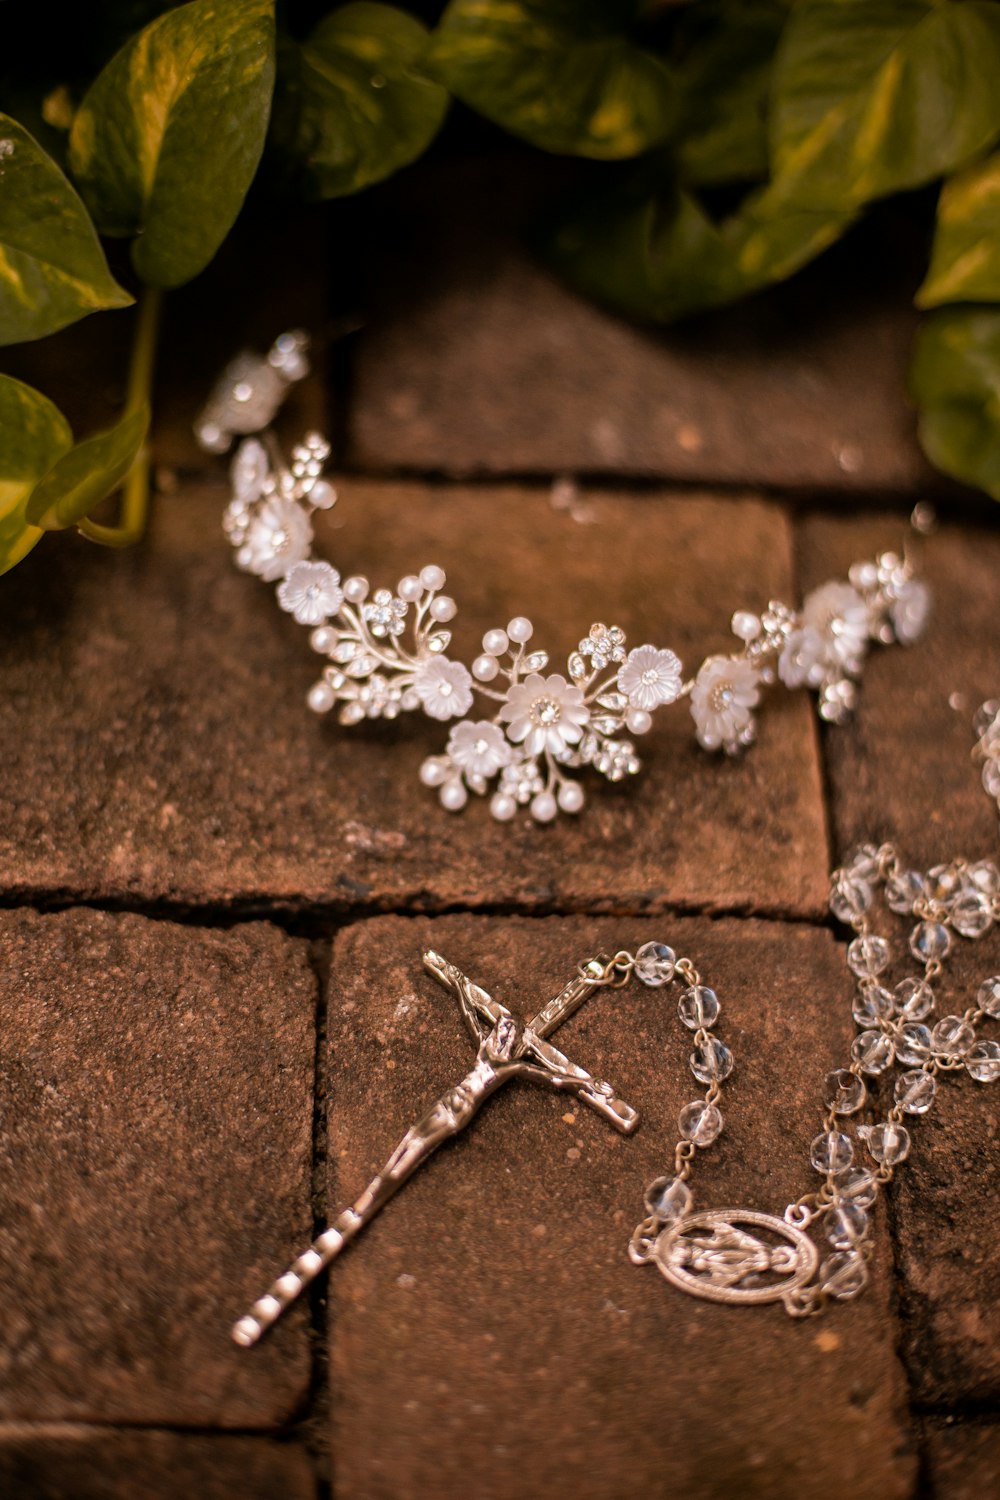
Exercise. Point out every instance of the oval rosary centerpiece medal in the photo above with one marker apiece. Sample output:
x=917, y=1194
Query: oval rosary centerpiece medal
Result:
x=736, y=1255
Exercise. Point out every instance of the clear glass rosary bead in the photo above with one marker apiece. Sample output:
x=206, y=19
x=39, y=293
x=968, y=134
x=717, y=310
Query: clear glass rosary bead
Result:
x=888, y=1142
x=873, y=1051
x=867, y=956
x=711, y=1061
x=831, y=1152
x=668, y=1199
x=698, y=1006
x=983, y=1062
x=916, y=1091
x=846, y=1225
x=972, y=915
x=872, y=1005
x=903, y=890
x=700, y=1122
x=988, y=998
x=844, y=1092
x=849, y=897
x=914, y=999
x=943, y=883
x=930, y=940
x=856, y=1185
x=655, y=964
x=984, y=876
x=864, y=863
x=914, y=1044
x=844, y=1274
x=952, y=1036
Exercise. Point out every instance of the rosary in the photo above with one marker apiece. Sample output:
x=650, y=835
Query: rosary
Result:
x=550, y=725
x=741, y=1255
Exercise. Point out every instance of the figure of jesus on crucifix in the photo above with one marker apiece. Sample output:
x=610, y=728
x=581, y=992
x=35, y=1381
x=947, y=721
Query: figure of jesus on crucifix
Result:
x=505, y=1049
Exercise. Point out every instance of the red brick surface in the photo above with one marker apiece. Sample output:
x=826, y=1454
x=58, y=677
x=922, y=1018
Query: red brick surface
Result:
x=154, y=1155
x=477, y=361
x=53, y=1463
x=963, y=1460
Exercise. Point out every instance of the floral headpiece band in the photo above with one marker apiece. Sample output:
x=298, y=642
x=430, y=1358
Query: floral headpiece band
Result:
x=385, y=650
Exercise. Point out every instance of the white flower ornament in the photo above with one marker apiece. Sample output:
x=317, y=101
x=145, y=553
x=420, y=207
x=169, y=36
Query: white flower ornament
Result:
x=650, y=678
x=385, y=652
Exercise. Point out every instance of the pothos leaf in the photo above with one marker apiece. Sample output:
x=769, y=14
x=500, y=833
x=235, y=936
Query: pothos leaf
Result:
x=965, y=262
x=33, y=436
x=652, y=252
x=874, y=96
x=168, y=137
x=52, y=267
x=955, y=380
x=353, y=106
x=81, y=478
x=563, y=74
x=729, y=47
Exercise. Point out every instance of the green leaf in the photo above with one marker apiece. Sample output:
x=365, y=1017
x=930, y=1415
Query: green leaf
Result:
x=965, y=262
x=729, y=48
x=80, y=479
x=654, y=253
x=563, y=74
x=874, y=96
x=955, y=379
x=353, y=106
x=168, y=137
x=649, y=254
x=52, y=267
x=33, y=436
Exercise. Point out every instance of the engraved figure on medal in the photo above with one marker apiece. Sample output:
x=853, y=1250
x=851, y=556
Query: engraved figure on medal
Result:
x=735, y=1255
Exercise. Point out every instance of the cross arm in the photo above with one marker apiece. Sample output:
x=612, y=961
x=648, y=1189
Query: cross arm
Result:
x=558, y=1072
x=480, y=1011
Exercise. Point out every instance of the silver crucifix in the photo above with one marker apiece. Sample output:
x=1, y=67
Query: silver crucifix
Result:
x=505, y=1049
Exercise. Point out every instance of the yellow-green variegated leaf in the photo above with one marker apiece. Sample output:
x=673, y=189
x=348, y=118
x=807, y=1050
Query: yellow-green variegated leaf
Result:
x=353, y=105
x=565, y=75
x=651, y=251
x=955, y=380
x=80, y=479
x=871, y=97
x=965, y=262
x=33, y=436
x=651, y=254
x=52, y=267
x=168, y=137
x=728, y=52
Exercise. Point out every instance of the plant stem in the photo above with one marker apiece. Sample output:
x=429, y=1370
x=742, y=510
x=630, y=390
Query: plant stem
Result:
x=135, y=491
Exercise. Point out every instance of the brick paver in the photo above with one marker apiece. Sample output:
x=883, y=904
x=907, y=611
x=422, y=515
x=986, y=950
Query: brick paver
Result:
x=168, y=753
x=963, y=1460
x=493, y=1310
x=477, y=360
x=154, y=1156
x=51, y=1463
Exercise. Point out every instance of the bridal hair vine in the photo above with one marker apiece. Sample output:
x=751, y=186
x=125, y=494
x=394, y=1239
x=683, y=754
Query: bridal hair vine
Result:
x=385, y=650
